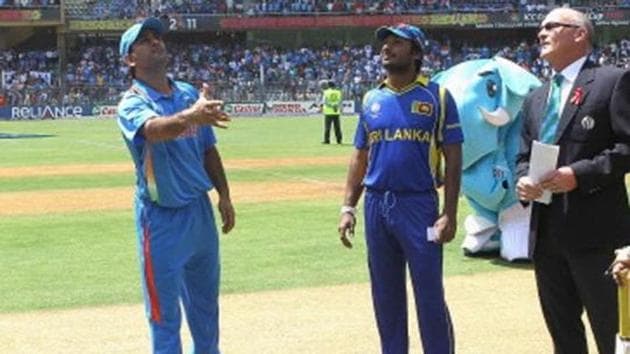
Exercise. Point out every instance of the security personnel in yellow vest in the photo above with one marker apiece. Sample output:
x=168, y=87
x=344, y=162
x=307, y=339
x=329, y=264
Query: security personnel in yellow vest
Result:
x=331, y=109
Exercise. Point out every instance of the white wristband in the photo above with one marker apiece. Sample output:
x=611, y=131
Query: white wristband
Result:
x=349, y=210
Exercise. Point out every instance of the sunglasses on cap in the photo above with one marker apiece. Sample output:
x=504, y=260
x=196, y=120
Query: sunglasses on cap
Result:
x=551, y=25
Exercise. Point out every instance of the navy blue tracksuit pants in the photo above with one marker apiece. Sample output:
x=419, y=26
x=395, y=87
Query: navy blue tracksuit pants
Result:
x=396, y=233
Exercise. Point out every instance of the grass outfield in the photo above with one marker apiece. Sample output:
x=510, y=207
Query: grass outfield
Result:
x=88, y=258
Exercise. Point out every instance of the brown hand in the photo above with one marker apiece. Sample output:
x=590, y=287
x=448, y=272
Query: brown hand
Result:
x=561, y=180
x=346, y=229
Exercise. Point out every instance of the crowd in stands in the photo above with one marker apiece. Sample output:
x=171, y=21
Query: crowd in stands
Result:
x=116, y=9
x=389, y=6
x=239, y=74
x=96, y=74
x=100, y=9
x=33, y=71
x=28, y=3
x=129, y=9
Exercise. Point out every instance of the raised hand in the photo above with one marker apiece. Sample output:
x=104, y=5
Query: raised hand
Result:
x=207, y=111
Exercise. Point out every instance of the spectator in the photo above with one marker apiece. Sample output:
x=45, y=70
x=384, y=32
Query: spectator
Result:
x=260, y=72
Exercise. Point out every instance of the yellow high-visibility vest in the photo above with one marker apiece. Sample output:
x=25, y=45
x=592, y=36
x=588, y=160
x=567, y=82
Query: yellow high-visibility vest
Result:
x=332, y=101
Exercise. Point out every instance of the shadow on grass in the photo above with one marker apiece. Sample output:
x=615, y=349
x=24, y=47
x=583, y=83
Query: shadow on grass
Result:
x=24, y=136
x=495, y=259
x=515, y=264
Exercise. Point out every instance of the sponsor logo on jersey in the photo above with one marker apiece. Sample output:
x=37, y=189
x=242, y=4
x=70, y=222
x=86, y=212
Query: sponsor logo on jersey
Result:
x=191, y=131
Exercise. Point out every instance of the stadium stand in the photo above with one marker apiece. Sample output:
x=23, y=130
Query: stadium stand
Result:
x=95, y=74
x=101, y=9
x=90, y=72
x=98, y=9
x=28, y=3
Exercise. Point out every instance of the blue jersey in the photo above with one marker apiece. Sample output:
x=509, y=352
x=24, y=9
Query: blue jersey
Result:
x=170, y=173
x=402, y=133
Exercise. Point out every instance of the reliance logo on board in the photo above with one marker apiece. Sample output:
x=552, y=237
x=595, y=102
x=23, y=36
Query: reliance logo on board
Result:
x=43, y=112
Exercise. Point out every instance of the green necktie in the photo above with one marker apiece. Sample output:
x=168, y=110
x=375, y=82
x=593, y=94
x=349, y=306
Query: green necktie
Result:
x=552, y=114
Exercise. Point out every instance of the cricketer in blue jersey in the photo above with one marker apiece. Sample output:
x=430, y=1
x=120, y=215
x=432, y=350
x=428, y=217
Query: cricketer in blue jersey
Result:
x=166, y=125
x=405, y=127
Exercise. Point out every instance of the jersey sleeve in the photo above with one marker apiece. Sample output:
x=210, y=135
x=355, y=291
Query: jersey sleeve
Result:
x=452, y=129
x=133, y=112
x=208, y=139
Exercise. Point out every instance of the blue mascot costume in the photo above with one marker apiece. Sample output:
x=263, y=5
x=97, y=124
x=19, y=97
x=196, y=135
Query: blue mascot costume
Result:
x=489, y=94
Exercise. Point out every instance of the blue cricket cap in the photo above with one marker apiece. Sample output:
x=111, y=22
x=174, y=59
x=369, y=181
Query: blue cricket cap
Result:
x=402, y=30
x=131, y=34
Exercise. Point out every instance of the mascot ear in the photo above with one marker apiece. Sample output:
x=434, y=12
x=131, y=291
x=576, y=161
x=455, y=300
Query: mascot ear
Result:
x=515, y=78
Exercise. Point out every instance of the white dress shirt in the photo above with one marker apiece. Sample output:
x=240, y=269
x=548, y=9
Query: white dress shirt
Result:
x=569, y=75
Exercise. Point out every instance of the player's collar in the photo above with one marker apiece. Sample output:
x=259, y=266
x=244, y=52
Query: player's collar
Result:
x=150, y=91
x=420, y=80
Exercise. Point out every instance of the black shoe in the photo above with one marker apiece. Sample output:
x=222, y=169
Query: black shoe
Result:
x=325, y=142
x=482, y=254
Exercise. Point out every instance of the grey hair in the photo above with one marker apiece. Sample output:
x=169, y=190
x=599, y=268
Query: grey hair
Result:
x=581, y=19
x=587, y=24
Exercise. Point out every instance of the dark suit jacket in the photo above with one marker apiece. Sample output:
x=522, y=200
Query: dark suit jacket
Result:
x=594, y=140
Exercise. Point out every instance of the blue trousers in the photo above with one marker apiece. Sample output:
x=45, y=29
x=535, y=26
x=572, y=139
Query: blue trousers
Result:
x=395, y=228
x=178, y=250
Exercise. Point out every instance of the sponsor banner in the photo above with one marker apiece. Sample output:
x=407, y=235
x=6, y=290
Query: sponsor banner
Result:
x=616, y=17
x=5, y=113
x=255, y=109
x=284, y=22
x=108, y=111
x=292, y=108
x=597, y=16
x=99, y=25
x=245, y=109
x=612, y=17
x=347, y=107
x=303, y=107
x=502, y=20
x=282, y=108
x=18, y=17
x=44, y=112
x=450, y=19
x=174, y=22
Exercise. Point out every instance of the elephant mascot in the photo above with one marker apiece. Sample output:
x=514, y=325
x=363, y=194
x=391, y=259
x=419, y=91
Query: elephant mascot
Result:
x=489, y=94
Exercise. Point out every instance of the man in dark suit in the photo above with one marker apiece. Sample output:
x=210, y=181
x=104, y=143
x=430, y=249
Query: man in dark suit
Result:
x=585, y=110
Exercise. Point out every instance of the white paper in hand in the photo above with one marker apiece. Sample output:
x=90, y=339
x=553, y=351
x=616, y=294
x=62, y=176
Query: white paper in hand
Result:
x=543, y=160
x=431, y=235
